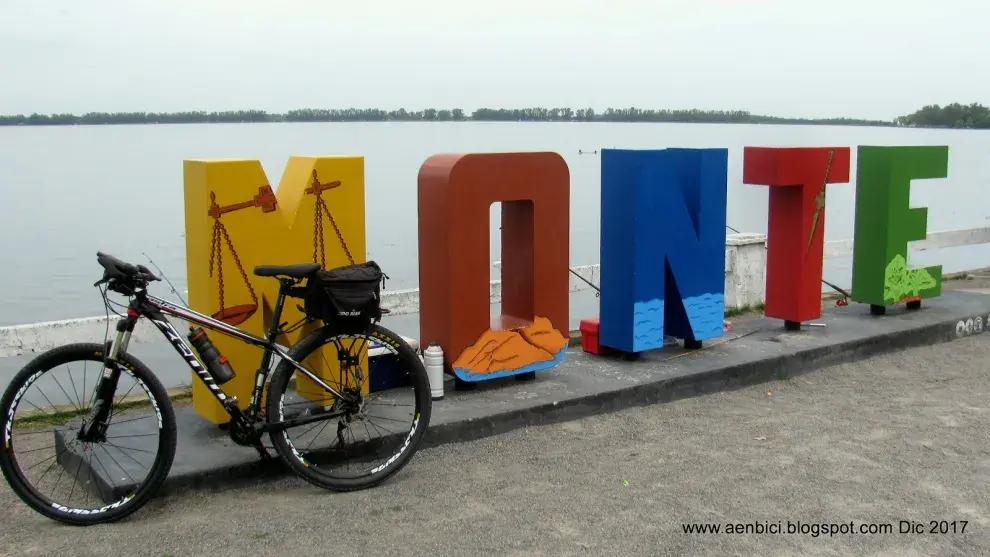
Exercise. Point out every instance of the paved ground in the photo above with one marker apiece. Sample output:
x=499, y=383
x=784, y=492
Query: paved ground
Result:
x=894, y=438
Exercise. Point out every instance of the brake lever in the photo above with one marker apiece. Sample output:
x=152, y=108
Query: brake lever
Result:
x=147, y=274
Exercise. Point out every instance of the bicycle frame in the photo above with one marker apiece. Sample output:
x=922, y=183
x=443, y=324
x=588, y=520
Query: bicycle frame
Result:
x=143, y=304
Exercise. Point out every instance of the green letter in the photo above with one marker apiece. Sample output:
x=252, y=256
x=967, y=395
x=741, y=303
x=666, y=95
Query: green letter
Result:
x=885, y=223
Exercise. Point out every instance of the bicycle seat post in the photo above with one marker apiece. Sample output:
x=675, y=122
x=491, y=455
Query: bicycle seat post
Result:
x=285, y=284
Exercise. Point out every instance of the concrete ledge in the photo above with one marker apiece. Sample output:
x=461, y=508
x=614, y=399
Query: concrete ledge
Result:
x=756, y=350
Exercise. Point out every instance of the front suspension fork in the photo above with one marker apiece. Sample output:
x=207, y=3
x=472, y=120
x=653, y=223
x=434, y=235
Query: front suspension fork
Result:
x=95, y=426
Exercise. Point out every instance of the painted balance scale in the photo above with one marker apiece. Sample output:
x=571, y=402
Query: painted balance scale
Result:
x=383, y=374
x=234, y=315
x=267, y=202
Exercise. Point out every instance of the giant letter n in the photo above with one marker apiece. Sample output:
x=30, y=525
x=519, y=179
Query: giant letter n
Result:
x=797, y=178
x=455, y=196
x=662, y=246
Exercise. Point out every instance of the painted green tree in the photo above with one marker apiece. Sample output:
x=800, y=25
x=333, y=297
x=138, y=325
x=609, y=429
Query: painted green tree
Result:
x=885, y=223
x=901, y=282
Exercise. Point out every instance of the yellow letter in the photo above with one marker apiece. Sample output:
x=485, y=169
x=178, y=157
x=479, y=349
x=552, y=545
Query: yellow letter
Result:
x=234, y=222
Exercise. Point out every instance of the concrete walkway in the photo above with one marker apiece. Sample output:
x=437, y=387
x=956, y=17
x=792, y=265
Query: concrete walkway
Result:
x=891, y=438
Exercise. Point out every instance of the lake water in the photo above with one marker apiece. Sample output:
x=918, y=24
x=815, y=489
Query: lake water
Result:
x=68, y=192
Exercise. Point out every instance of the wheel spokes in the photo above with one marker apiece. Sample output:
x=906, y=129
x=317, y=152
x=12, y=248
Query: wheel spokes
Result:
x=55, y=464
x=368, y=434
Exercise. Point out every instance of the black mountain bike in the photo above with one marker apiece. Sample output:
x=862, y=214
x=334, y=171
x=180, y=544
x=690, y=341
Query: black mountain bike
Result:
x=104, y=436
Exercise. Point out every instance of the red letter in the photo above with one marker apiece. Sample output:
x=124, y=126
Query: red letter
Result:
x=796, y=228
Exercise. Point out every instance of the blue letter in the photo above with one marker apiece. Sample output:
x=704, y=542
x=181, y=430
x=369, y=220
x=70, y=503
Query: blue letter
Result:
x=662, y=246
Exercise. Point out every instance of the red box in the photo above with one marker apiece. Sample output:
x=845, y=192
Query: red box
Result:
x=589, y=336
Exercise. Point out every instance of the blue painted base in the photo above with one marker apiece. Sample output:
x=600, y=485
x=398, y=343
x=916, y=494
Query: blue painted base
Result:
x=465, y=375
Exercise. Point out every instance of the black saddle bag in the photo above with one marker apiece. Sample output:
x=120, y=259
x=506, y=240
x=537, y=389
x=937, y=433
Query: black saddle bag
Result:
x=349, y=296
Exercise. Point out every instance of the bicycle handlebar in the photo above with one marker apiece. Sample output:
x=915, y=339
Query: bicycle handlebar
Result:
x=121, y=273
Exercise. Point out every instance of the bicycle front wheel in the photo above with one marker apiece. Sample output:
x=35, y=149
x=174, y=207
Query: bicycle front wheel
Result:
x=370, y=436
x=85, y=482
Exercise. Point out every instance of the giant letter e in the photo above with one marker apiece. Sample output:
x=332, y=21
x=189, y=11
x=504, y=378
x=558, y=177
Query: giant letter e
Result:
x=885, y=223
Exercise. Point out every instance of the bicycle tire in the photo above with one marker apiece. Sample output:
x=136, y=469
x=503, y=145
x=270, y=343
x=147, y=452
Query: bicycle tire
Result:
x=277, y=387
x=159, y=471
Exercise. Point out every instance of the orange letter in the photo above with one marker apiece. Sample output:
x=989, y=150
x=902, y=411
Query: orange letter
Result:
x=455, y=195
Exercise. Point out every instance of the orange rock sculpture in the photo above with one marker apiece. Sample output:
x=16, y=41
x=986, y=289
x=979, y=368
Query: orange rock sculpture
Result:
x=499, y=353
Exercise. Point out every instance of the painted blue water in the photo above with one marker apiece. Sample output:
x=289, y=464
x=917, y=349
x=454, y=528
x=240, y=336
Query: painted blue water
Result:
x=648, y=325
x=706, y=314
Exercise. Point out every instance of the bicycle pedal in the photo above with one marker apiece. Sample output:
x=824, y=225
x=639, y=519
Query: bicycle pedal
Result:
x=230, y=402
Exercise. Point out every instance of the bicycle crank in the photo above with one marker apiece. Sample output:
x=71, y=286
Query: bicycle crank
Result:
x=242, y=431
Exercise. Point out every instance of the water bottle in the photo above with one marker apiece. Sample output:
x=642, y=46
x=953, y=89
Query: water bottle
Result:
x=433, y=359
x=218, y=365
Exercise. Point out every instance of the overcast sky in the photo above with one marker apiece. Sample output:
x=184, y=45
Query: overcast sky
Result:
x=865, y=58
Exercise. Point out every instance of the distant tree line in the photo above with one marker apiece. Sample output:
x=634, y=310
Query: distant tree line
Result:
x=933, y=116
x=955, y=115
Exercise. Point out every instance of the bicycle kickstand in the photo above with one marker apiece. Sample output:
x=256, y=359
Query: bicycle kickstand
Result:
x=262, y=450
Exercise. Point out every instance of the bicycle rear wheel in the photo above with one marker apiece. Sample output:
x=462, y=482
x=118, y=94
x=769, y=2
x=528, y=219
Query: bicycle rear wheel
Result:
x=361, y=443
x=41, y=412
